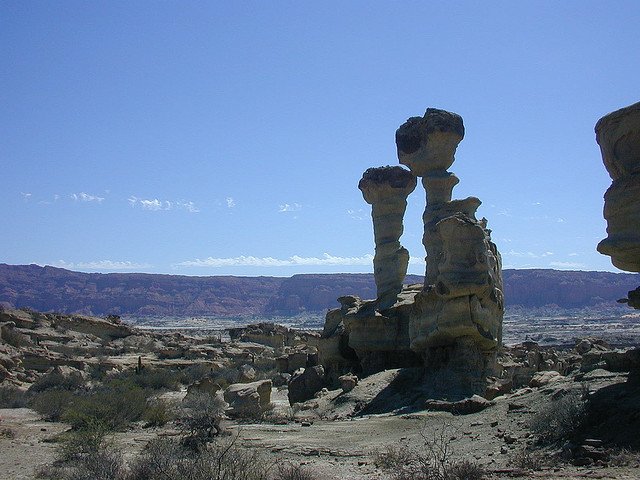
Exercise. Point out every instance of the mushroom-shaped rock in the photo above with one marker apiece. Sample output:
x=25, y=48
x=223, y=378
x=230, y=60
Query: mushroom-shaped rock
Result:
x=429, y=143
x=386, y=189
x=618, y=135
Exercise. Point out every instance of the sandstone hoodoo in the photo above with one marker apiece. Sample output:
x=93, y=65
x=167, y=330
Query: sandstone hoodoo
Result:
x=387, y=189
x=453, y=321
x=618, y=135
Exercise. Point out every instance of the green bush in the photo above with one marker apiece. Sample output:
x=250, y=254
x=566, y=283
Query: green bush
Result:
x=57, y=381
x=51, y=404
x=115, y=404
x=157, y=413
x=152, y=378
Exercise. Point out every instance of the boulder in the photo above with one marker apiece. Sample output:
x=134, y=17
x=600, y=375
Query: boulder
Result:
x=247, y=374
x=540, y=379
x=465, y=406
x=305, y=383
x=348, y=382
x=248, y=399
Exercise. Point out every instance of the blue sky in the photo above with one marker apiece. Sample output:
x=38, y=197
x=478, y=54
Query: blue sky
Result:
x=214, y=138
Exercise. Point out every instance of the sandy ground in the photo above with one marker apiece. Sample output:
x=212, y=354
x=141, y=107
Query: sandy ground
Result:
x=342, y=449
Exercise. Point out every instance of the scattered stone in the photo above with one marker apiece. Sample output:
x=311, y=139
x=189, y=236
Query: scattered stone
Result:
x=348, y=382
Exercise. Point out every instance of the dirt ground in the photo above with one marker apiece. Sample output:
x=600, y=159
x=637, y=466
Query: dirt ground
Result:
x=344, y=448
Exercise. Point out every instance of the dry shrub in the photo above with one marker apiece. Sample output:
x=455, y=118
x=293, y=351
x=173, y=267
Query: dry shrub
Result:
x=168, y=459
x=7, y=433
x=528, y=460
x=293, y=472
x=433, y=462
x=200, y=419
x=559, y=419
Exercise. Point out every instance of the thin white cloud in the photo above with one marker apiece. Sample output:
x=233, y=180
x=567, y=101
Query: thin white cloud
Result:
x=286, y=207
x=26, y=196
x=573, y=254
x=230, y=202
x=188, y=206
x=102, y=265
x=85, y=197
x=296, y=260
x=567, y=265
x=513, y=253
x=154, y=204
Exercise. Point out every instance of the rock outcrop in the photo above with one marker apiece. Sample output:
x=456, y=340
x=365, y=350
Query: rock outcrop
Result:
x=453, y=323
x=248, y=399
x=386, y=190
x=618, y=135
x=463, y=281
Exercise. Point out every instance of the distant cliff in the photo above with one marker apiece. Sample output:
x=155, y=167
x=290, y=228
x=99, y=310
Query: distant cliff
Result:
x=56, y=289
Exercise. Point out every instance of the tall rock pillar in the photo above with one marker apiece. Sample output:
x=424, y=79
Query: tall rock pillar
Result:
x=386, y=189
x=456, y=321
x=618, y=135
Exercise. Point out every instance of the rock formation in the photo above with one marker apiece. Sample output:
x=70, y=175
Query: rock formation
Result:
x=463, y=296
x=386, y=189
x=618, y=135
x=453, y=321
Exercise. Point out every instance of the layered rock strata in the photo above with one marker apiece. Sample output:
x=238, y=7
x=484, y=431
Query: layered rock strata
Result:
x=618, y=135
x=386, y=190
x=462, y=296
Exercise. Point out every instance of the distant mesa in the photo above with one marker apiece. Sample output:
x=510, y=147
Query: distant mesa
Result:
x=51, y=289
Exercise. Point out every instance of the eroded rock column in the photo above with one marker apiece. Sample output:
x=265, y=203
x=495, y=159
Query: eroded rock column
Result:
x=386, y=190
x=462, y=302
x=618, y=135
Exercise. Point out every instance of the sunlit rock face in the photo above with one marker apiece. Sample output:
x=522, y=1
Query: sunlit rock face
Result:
x=618, y=135
x=386, y=190
x=453, y=323
x=462, y=296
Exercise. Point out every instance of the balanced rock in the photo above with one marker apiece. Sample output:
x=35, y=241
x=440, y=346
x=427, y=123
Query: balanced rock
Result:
x=462, y=295
x=429, y=143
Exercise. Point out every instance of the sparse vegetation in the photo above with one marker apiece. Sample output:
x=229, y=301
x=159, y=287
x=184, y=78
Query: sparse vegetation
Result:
x=7, y=432
x=168, y=459
x=157, y=413
x=293, y=472
x=528, y=459
x=433, y=462
x=200, y=419
x=560, y=418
